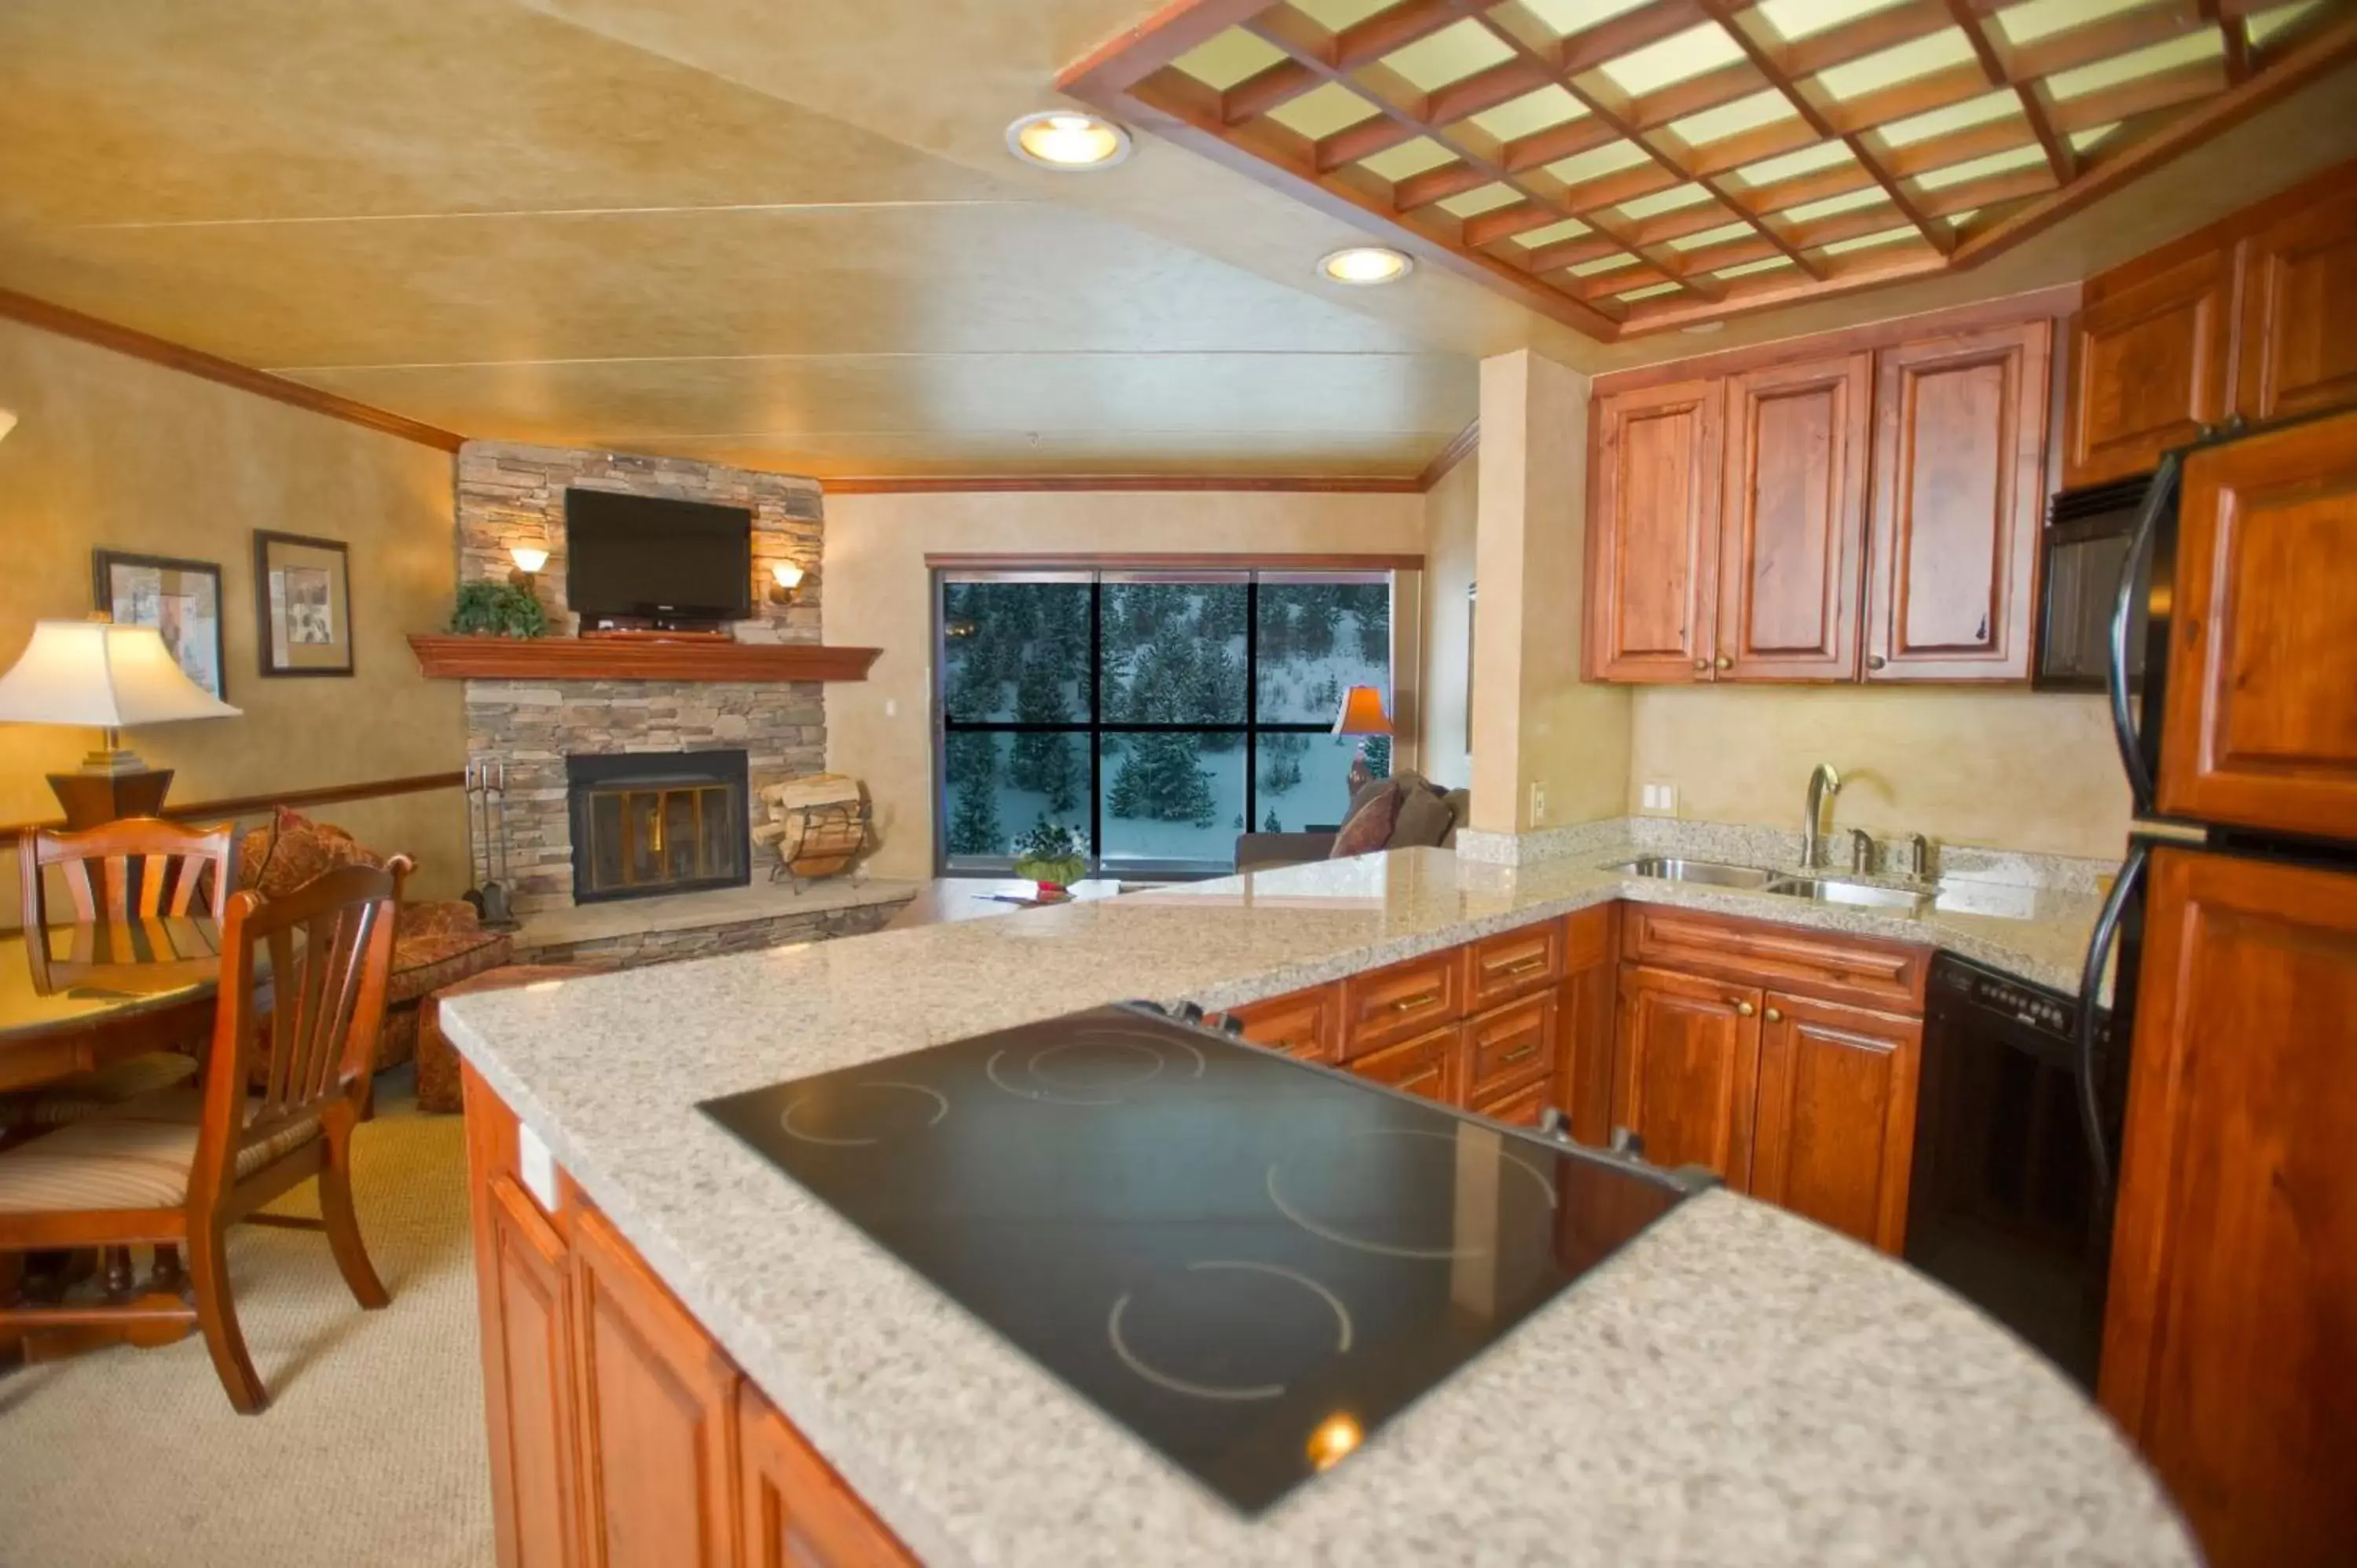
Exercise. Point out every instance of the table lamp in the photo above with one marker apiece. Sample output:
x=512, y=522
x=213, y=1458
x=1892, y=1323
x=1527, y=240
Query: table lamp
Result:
x=1363, y=714
x=114, y=677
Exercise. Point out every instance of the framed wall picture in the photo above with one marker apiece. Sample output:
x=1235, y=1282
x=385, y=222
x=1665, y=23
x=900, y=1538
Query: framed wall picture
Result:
x=181, y=599
x=302, y=600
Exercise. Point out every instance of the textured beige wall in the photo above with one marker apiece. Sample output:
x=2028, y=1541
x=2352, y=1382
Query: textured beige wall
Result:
x=116, y=452
x=2011, y=769
x=878, y=595
x=1534, y=722
x=1450, y=516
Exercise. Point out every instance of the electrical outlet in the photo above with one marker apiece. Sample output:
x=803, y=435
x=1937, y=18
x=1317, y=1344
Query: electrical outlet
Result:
x=1538, y=802
x=1659, y=796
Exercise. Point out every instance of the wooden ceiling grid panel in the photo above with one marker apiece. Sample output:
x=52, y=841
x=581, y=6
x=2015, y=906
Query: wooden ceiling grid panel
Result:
x=1695, y=121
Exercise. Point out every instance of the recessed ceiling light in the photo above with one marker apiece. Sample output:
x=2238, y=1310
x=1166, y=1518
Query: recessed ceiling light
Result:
x=1360, y=265
x=1067, y=139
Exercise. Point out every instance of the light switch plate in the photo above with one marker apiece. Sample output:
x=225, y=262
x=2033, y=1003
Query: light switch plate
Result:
x=1659, y=796
x=536, y=1168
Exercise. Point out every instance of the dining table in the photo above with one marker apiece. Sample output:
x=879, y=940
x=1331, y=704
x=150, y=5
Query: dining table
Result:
x=76, y=997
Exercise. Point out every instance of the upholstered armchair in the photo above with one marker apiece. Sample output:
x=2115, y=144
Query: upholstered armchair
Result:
x=435, y=943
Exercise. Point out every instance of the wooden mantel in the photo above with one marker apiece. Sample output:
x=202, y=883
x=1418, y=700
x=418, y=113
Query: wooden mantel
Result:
x=598, y=658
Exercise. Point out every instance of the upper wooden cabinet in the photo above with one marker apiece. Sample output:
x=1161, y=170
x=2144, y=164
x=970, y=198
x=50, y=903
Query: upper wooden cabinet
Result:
x=2254, y=316
x=2150, y=361
x=1874, y=515
x=1789, y=557
x=1653, y=534
x=1960, y=429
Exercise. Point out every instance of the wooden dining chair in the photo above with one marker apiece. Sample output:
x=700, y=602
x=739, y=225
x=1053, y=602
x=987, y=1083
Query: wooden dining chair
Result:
x=179, y=1168
x=139, y=868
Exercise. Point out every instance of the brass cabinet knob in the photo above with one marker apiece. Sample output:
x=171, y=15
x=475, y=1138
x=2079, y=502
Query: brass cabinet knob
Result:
x=1744, y=1010
x=1725, y=663
x=1876, y=661
x=1774, y=1016
x=1702, y=666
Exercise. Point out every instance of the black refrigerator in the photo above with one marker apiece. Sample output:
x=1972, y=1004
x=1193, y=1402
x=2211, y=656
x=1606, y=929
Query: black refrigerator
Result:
x=2225, y=1136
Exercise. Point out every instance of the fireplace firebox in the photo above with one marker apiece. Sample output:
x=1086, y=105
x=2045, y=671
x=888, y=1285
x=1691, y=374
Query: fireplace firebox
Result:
x=651, y=823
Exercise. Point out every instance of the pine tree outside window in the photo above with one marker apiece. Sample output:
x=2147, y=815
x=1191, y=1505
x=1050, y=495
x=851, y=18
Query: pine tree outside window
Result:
x=1157, y=714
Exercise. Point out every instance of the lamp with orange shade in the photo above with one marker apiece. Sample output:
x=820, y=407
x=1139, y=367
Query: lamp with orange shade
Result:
x=1363, y=715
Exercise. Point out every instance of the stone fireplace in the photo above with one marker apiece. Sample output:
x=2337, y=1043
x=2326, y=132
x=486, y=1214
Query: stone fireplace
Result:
x=646, y=823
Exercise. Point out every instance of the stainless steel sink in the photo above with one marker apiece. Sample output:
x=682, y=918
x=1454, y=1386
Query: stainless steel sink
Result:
x=1708, y=871
x=1834, y=890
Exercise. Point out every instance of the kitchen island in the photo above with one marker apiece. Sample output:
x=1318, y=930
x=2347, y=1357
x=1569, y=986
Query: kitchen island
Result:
x=1737, y=1385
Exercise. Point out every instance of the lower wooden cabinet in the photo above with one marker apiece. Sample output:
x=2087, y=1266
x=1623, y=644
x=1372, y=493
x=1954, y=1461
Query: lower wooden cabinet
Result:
x=1305, y=1024
x=1426, y=1065
x=1686, y=1070
x=620, y=1432
x=1585, y=1015
x=1835, y=1132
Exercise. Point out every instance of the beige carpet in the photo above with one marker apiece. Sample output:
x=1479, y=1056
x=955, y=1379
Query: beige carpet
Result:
x=371, y=1450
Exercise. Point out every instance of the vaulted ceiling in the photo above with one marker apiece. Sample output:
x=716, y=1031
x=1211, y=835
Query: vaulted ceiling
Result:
x=790, y=236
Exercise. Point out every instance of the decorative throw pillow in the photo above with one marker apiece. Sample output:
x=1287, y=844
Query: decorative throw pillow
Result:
x=1424, y=818
x=294, y=851
x=1370, y=827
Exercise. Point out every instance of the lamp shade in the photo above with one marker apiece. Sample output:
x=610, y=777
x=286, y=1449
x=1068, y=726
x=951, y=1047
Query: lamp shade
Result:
x=1362, y=712
x=94, y=672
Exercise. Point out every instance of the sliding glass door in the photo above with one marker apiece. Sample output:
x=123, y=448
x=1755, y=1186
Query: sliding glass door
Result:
x=1157, y=714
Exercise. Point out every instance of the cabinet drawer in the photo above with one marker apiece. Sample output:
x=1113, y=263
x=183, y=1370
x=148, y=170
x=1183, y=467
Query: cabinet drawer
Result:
x=1426, y=1065
x=1825, y=964
x=1406, y=1000
x=1510, y=1047
x=1513, y=963
x=1305, y=1024
x=1517, y=1107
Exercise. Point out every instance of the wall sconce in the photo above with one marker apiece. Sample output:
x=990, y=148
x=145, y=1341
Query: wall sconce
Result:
x=529, y=559
x=788, y=581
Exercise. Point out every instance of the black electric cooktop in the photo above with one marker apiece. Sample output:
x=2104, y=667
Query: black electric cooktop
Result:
x=1248, y=1262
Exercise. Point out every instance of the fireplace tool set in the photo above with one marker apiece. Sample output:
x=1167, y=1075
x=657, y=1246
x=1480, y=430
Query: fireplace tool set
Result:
x=486, y=839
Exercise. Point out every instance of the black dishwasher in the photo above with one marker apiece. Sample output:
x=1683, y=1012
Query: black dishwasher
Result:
x=2004, y=1206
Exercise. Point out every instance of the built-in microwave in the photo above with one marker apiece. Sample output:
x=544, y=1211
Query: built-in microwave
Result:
x=2086, y=544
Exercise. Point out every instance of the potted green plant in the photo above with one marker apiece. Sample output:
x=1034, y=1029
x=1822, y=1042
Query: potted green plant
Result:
x=497, y=610
x=1049, y=854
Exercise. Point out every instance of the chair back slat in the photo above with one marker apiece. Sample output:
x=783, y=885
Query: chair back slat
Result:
x=329, y=948
x=199, y=857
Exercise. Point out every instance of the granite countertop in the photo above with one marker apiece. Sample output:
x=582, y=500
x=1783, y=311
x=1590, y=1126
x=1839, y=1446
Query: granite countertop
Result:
x=1737, y=1385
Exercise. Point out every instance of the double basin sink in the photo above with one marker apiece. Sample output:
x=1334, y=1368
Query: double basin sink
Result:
x=1787, y=885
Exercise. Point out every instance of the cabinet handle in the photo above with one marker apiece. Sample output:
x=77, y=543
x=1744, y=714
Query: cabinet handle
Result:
x=1876, y=661
x=1774, y=1016
x=1412, y=1003
x=1725, y=663
x=1702, y=666
x=1524, y=967
x=1520, y=1053
x=1744, y=1009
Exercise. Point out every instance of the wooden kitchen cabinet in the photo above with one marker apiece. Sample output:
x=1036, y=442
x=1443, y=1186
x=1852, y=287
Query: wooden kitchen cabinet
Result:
x=620, y=1432
x=1513, y=963
x=2232, y=1313
x=2297, y=349
x=1401, y=1000
x=1587, y=1014
x=1960, y=433
x=1428, y=1065
x=1305, y=1024
x=1686, y=1070
x=2151, y=364
x=1509, y=1048
x=1653, y=537
x=1834, y=1136
x=1790, y=550
x=2261, y=721
x=658, y=1416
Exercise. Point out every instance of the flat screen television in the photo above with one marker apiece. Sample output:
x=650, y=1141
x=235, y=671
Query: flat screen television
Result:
x=666, y=561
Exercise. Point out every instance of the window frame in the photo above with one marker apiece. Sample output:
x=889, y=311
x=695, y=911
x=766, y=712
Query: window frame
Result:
x=1095, y=727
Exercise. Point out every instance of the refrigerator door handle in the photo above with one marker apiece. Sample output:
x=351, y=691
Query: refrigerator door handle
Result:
x=2158, y=497
x=2091, y=983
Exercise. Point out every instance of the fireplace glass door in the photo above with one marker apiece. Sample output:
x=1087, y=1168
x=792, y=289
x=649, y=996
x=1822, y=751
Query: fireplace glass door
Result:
x=658, y=826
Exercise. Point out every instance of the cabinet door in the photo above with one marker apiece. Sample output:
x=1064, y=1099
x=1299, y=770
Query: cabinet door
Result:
x=2298, y=335
x=1960, y=430
x=1686, y=1071
x=1793, y=521
x=526, y=1309
x=1402, y=1001
x=1518, y=1107
x=1836, y=1132
x=1428, y=1066
x=2233, y=1313
x=1653, y=538
x=1513, y=963
x=1584, y=1015
x=798, y=1512
x=2260, y=726
x=1307, y=1024
x=1510, y=1047
x=2149, y=368
x=658, y=1403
